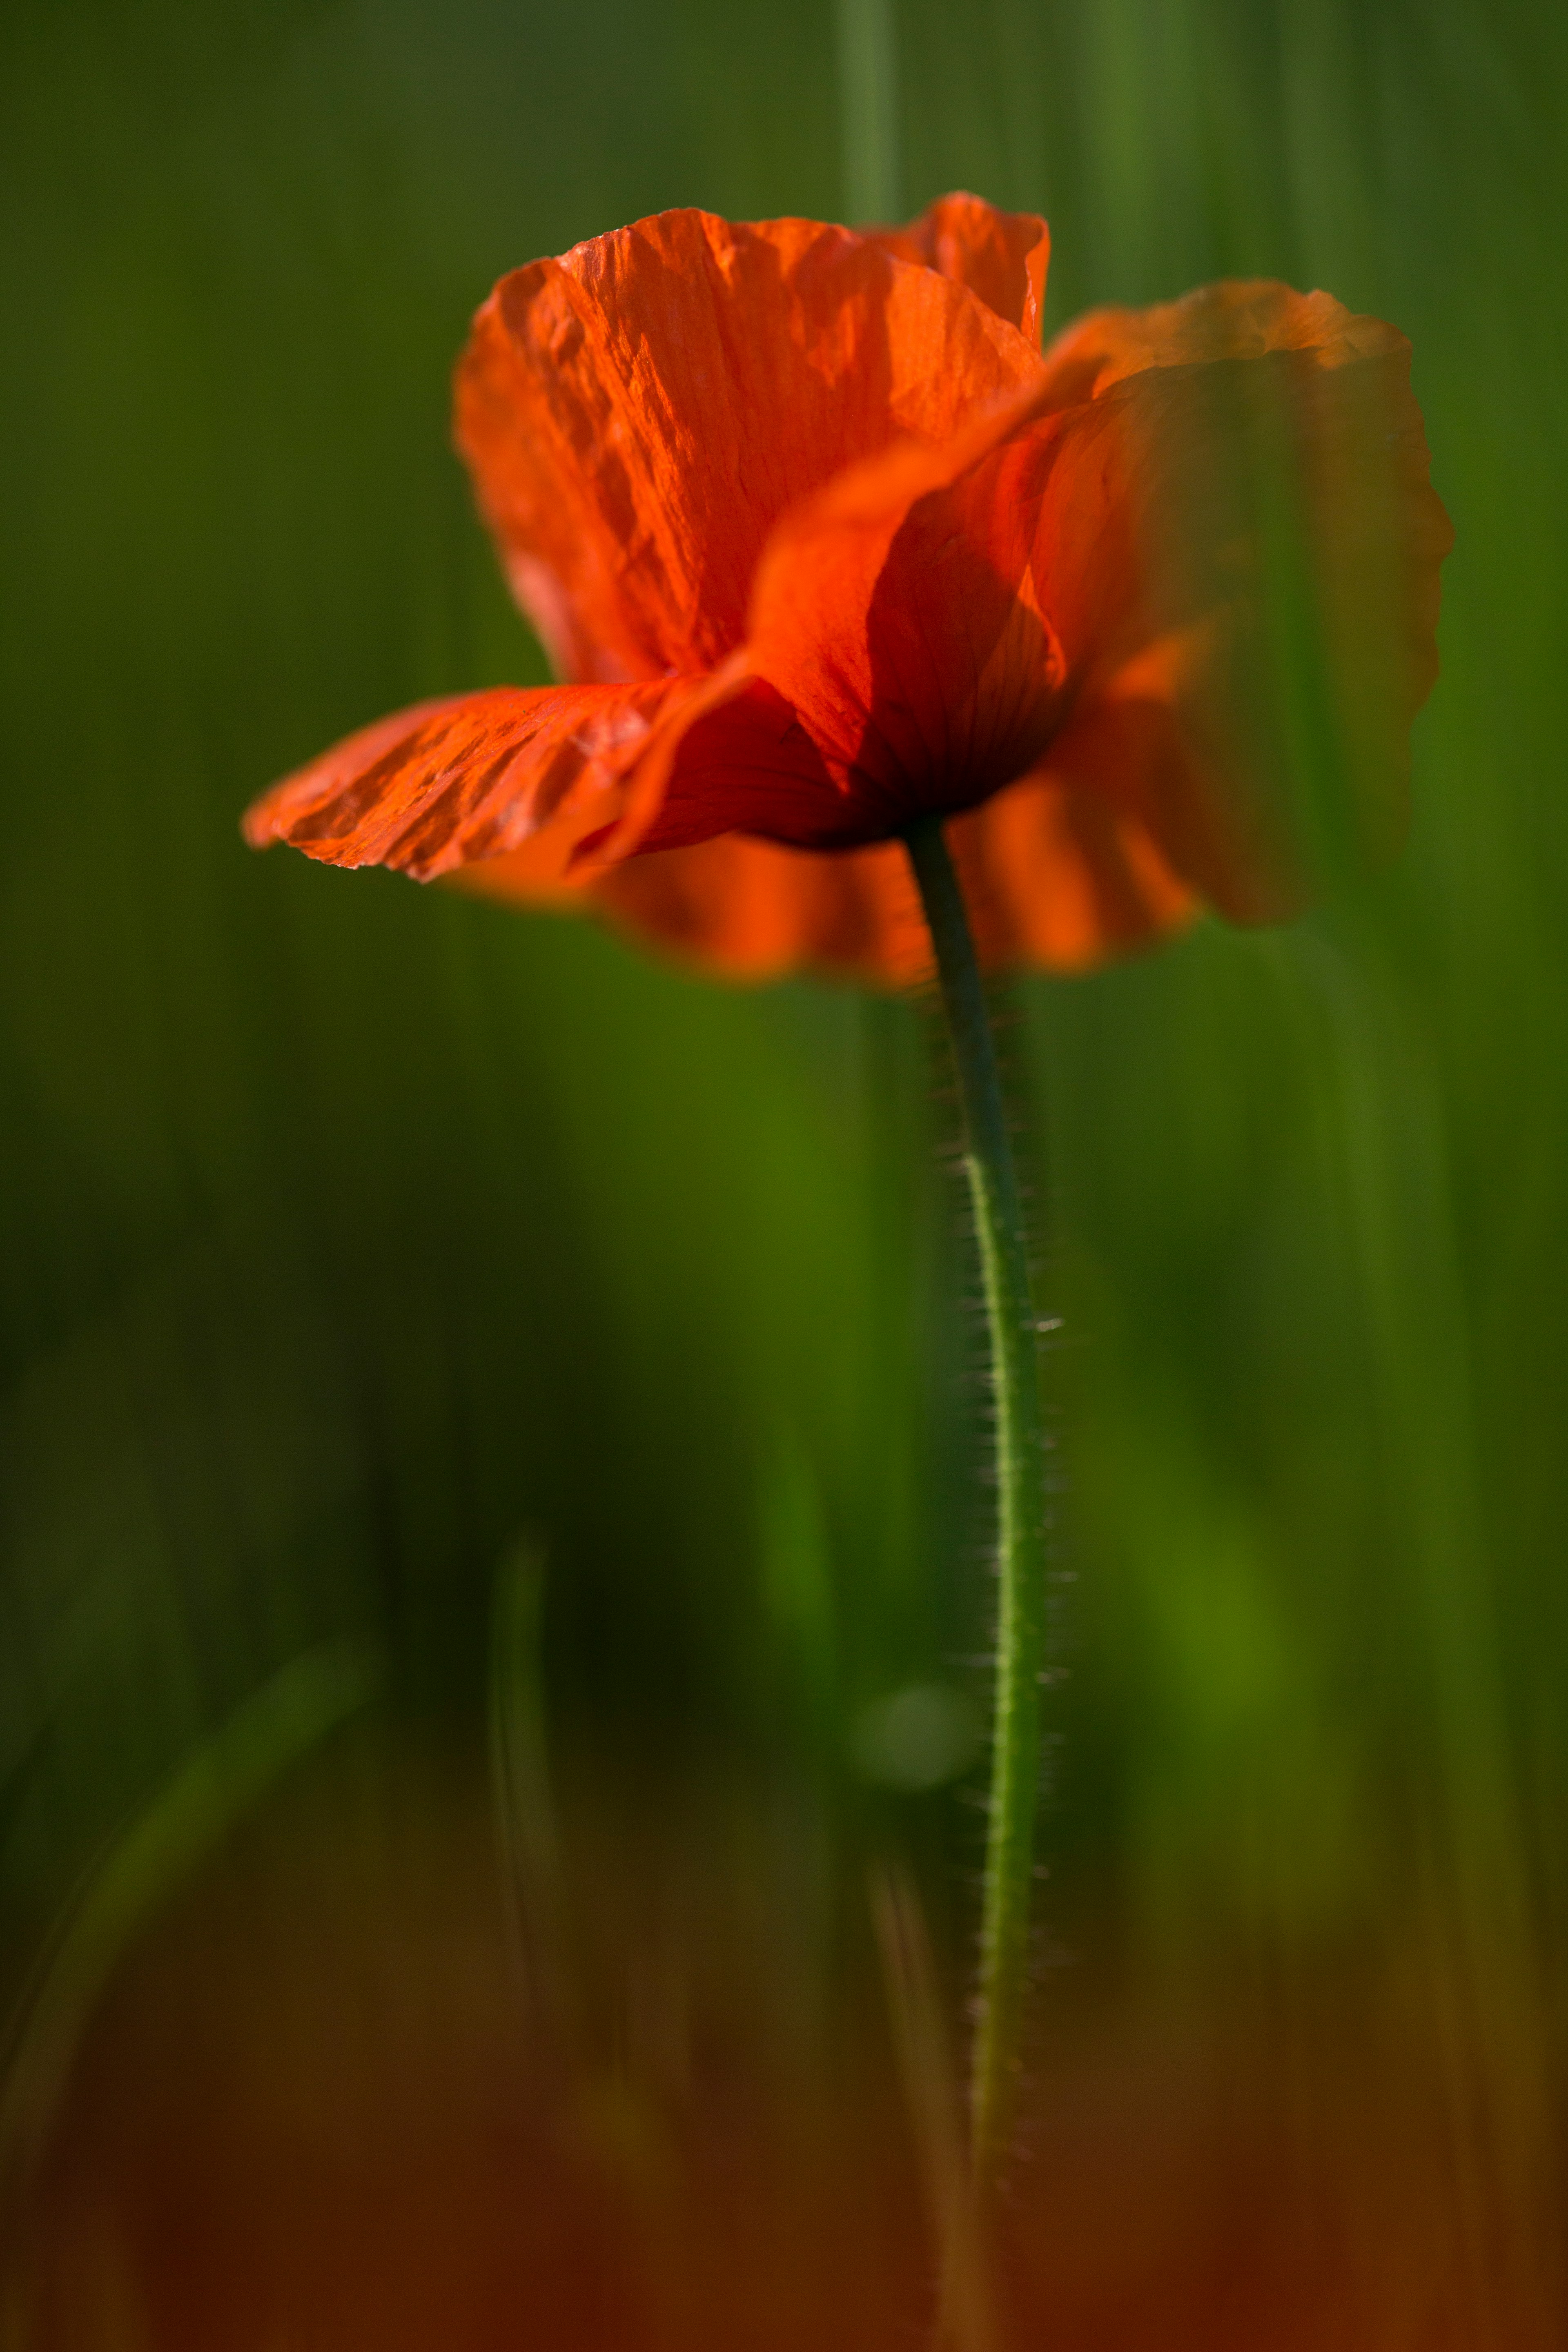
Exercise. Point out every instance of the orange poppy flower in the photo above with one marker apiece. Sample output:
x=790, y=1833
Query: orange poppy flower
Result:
x=820, y=542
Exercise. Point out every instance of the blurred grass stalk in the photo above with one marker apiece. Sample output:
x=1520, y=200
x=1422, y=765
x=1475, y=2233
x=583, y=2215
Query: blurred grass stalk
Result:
x=179, y=1828
x=869, y=108
x=966, y=2319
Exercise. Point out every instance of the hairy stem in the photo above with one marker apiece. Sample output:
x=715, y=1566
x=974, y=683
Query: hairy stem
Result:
x=1021, y=1531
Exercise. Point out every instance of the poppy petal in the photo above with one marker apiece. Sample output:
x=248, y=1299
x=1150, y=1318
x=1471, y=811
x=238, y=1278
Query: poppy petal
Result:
x=1243, y=565
x=1207, y=592
x=1001, y=257
x=1054, y=879
x=1058, y=879
x=1236, y=318
x=535, y=771
x=896, y=615
x=637, y=416
x=754, y=910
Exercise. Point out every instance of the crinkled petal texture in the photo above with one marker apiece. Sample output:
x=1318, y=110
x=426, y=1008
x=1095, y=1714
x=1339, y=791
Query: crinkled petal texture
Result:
x=1001, y=257
x=831, y=546
x=524, y=774
x=638, y=414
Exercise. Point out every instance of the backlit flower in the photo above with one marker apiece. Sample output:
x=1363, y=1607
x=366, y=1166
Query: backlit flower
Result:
x=819, y=540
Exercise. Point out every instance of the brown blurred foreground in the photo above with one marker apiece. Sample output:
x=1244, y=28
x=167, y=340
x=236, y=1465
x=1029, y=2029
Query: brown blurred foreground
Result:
x=347, y=2093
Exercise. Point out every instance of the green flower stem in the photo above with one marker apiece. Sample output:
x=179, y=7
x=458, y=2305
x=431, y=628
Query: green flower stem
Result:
x=1014, y=1333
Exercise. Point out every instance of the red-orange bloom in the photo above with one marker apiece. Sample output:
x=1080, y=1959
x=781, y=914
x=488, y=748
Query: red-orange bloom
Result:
x=821, y=541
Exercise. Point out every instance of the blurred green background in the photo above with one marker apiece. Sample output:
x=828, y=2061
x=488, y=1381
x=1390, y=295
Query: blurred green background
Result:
x=373, y=1261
